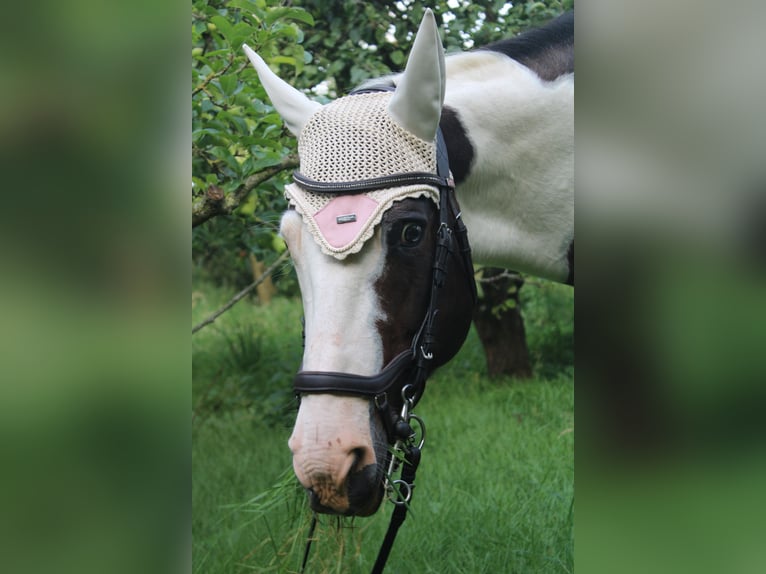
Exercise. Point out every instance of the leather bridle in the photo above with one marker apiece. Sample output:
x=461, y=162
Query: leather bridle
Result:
x=400, y=385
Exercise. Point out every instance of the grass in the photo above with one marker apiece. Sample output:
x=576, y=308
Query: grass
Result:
x=494, y=489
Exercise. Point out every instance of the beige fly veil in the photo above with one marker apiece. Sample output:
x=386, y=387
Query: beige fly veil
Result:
x=352, y=139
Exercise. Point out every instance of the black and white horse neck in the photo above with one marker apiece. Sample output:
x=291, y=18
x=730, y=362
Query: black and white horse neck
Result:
x=508, y=122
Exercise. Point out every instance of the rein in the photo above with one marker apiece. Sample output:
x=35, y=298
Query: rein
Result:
x=406, y=374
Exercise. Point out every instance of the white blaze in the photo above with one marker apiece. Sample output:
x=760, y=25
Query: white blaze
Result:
x=340, y=304
x=341, y=310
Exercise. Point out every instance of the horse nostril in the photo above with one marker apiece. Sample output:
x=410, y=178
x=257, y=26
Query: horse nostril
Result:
x=360, y=460
x=358, y=454
x=363, y=485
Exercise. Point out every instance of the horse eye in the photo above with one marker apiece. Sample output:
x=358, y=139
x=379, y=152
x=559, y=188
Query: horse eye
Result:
x=412, y=233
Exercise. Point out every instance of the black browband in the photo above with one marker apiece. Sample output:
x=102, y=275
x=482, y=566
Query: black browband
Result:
x=372, y=184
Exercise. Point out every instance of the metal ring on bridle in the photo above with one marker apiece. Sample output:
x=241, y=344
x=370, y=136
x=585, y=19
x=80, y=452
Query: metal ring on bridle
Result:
x=396, y=487
x=422, y=426
x=405, y=398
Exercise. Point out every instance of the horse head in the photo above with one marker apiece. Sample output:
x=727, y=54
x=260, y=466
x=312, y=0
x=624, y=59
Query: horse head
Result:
x=364, y=256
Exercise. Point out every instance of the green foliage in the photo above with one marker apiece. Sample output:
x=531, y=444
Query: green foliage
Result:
x=218, y=251
x=549, y=323
x=353, y=41
x=247, y=359
x=221, y=246
x=235, y=131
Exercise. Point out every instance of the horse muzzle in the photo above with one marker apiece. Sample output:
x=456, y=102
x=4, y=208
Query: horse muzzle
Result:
x=338, y=454
x=360, y=495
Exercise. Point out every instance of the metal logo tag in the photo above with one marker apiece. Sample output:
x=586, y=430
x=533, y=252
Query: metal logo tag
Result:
x=350, y=218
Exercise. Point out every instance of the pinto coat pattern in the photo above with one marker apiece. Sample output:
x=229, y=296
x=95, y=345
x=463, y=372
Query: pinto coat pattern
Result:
x=507, y=115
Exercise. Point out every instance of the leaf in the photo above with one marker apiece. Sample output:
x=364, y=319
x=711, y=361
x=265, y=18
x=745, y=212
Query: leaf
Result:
x=240, y=123
x=246, y=5
x=217, y=53
x=228, y=83
x=397, y=57
x=223, y=154
x=285, y=13
x=281, y=30
x=301, y=15
x=358, y=75
x=224, y=26
x=239, y=34
x=289, y=60
x=247, y=207
x=264, y=162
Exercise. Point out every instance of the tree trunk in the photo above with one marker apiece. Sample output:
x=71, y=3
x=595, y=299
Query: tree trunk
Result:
x=500, y=325
x=266, y=288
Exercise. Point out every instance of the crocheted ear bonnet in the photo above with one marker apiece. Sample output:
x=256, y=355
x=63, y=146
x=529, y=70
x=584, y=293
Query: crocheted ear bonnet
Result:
x=352, y=139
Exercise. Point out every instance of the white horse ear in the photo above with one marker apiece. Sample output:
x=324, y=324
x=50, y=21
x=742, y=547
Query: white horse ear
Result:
x=294, y=107
x=417, y=103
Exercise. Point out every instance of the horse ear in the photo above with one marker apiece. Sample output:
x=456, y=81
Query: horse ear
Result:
x=294, y=107
x=417, y=103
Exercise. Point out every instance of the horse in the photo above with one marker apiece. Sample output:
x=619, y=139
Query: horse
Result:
x=379, y=241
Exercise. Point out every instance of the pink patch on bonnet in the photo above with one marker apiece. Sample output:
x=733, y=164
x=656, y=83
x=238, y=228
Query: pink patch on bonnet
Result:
x=341, y=220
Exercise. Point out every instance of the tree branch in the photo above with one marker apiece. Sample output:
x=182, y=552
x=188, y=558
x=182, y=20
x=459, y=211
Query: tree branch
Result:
x=504, y=274
x=214, y=202
x=234, y=300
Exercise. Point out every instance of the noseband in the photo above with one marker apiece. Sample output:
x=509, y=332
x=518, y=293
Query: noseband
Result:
x=400, y=385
